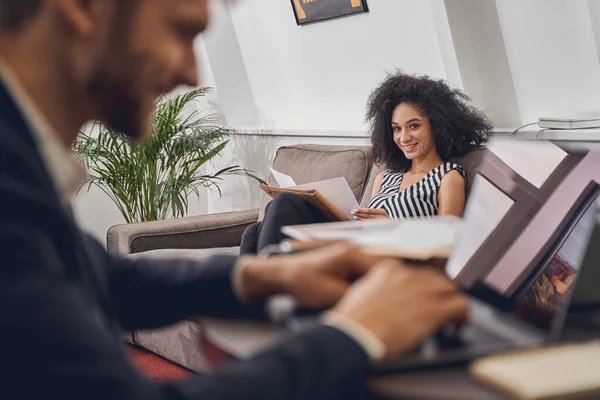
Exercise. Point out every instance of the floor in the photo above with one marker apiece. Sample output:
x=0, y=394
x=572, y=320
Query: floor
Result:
x=156, y=367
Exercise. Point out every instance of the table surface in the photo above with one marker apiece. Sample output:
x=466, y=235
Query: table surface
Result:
x=241, y=339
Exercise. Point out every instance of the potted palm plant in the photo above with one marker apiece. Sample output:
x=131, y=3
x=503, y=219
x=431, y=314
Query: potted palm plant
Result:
x=153, y=179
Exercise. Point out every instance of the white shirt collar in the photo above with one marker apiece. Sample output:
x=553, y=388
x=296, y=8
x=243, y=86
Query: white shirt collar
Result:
x=66, y=174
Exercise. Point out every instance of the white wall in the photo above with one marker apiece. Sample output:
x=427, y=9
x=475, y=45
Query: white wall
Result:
x=552, y=55
x=594, y=9
x=221, y=65
x=482, y=59
x=318, y=77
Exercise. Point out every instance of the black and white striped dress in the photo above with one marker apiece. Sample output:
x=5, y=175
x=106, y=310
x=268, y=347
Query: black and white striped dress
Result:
x=417, y=200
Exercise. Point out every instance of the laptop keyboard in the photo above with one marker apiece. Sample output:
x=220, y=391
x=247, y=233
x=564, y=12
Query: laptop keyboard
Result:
x=474, y=335
x=469, y=336
x=445, y=349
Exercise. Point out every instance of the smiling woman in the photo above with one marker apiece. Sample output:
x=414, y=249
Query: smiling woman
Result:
x=418, y=126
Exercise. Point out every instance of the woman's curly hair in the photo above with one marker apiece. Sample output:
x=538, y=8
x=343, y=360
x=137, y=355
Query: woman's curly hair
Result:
x=457, y=126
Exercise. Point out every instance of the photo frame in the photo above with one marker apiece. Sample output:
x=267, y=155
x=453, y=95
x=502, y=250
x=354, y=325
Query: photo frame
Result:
x=311, y=11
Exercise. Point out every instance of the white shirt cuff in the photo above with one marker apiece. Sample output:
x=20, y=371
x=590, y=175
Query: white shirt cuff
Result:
x=373, y=347
x=237, y=281
x=370, y=343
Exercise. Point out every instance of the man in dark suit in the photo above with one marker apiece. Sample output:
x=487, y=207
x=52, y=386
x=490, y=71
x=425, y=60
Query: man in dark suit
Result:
x=64, y=301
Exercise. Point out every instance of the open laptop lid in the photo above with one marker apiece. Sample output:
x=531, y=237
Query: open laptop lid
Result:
x=527, y=226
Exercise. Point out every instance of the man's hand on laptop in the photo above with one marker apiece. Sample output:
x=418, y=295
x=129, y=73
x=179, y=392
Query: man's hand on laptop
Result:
x=316, y=279
x=402, y=305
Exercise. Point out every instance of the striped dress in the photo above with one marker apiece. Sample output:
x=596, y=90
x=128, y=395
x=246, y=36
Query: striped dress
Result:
x=417, y=200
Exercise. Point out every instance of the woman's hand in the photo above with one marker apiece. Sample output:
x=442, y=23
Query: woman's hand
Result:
x=369, y=213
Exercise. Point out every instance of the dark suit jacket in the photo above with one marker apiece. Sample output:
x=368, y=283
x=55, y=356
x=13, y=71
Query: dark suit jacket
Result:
x=64, y=302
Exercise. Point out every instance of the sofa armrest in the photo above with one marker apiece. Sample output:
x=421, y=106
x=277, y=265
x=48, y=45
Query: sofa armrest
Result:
x=197, y=232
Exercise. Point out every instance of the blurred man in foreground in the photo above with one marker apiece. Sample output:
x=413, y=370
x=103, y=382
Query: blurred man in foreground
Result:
x=64, y=301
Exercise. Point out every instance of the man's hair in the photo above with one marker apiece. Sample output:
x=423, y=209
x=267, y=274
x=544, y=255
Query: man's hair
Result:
x=14, y=13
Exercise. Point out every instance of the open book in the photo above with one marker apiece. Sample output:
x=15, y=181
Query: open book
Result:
x=333, y=197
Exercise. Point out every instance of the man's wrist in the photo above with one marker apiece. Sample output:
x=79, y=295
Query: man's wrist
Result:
x=255, y=278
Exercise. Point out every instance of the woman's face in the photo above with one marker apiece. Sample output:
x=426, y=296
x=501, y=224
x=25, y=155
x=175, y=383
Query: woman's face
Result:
x=412, y=131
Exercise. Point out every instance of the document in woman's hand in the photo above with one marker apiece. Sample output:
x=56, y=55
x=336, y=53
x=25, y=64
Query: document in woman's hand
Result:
x=333, y=197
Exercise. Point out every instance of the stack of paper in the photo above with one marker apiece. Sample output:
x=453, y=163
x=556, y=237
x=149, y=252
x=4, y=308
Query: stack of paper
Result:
x=417, y=238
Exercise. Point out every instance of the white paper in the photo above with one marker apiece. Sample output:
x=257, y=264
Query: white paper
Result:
x=337, y=191
x=283, y=180
x=419, y=234
x=409, y=235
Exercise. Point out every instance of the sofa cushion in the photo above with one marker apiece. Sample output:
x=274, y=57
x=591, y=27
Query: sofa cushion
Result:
x=470, y=162
x=183, y=253
x=311, y=163
x=179, y=343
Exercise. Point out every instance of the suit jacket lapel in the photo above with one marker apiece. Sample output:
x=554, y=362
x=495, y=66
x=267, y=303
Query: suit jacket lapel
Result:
x=31, y=198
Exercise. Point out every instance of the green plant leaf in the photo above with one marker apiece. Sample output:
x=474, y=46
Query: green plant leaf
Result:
x=153, y=179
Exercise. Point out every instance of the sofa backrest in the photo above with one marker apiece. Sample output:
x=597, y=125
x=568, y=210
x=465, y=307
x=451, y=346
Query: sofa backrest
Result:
x=311, y=162
x=470, y=162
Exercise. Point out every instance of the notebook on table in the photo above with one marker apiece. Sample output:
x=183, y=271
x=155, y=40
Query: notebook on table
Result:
x=532, y=374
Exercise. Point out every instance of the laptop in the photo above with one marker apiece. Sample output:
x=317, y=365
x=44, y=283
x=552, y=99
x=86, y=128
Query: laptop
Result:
x=525, y=239
x=526, y=255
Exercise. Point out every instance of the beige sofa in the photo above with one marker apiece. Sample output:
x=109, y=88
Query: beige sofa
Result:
x=201, y=235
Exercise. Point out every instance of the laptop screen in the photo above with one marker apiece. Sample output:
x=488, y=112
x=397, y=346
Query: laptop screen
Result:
x=527, y=226
x=548, y=291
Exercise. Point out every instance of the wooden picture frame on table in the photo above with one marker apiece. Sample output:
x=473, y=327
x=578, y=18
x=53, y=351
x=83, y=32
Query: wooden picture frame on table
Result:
x=311, y=11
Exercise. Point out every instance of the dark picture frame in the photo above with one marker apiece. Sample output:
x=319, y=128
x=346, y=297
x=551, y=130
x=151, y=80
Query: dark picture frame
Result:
x=311, y=11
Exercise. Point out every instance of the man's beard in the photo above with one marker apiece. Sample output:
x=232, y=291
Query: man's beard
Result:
x=113, y=83
x=121, y=109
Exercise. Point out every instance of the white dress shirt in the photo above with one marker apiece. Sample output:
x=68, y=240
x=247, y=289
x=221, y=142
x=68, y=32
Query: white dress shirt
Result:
x=66, y=174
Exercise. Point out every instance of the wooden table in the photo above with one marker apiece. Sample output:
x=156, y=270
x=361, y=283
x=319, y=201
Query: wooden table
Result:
x=225, y=340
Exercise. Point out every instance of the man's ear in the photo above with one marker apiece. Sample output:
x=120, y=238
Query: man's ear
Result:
x=81, y=15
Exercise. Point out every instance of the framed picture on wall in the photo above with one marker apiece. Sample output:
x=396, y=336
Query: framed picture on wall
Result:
x=310, y=11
